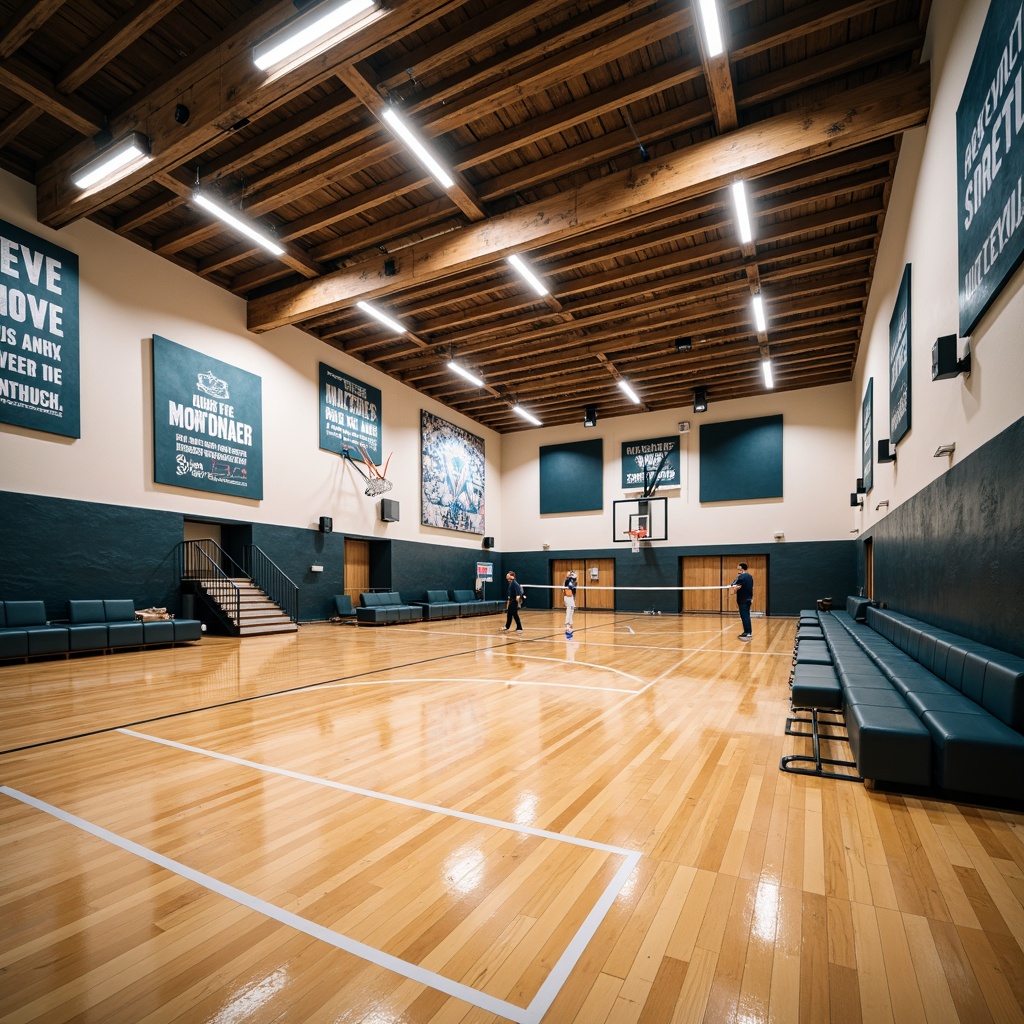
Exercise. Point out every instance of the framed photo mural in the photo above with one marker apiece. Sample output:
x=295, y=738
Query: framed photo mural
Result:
x=452, y=476
x=899, y=362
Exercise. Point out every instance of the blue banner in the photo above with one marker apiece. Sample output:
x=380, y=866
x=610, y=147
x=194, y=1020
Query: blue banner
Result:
x=650, y=464
x=899, y=362
x=350, y=415
x=207, y=423
x=39, y=355
x=990, y=163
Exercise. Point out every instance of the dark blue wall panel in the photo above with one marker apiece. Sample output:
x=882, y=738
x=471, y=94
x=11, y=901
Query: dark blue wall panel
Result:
x=799, y=573
x=571, y=477
x=57, y=550
x=741, y=460
x=953, y=554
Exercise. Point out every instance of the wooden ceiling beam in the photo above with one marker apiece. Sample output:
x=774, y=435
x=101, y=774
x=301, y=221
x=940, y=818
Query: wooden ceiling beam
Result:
x=19, y=29
x=885, y=107
x=24, y=80
x=223, y=87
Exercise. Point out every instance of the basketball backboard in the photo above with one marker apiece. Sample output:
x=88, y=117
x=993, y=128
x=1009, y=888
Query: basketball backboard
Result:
x=650, y=514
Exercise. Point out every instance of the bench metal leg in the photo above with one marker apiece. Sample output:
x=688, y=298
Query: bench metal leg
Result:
x=816, y=759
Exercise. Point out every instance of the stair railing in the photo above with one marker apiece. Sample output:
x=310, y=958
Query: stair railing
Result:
x=271, y=580
x=201, y=561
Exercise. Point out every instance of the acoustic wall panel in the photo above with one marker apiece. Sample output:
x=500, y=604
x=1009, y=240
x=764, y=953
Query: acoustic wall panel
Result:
x=741, y=460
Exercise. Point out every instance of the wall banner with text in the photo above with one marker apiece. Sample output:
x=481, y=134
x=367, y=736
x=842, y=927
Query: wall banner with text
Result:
x=350, y=415
x=867, y=436
x=207, y=423
x=899, y=362
x=641, y=460
x=39, y=354
x=990, y=163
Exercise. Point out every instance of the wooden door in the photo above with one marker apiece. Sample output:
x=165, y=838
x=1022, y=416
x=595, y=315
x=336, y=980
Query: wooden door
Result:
x=719, y=571
x=587, y=597
x=869, y=569
x=594, y=597
x=702, y=571
x=357, y=568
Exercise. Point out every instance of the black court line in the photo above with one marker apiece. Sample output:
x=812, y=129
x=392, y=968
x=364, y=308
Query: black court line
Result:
x=502, y=642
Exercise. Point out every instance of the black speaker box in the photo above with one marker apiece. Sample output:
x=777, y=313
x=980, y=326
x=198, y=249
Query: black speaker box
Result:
x=388, y=510
x=488, y=542
x=326, y=524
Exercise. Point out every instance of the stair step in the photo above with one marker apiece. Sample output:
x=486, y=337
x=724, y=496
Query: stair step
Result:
x=283, y=627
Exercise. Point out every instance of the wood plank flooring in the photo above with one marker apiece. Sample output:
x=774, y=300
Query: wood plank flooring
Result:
x=443, y=823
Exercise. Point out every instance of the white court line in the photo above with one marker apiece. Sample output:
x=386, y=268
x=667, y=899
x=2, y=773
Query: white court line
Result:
x=569, y=686
x=531, y=1014
x=528, y=1015
x=585, y=664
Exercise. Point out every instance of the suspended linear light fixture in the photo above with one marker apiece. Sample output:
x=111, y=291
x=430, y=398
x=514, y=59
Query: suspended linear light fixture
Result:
x=739, y=199
x=463, y=372
x=759, y=320
x=766, y=369
x=240, y=225
x=383, y=318
x=629, y=392
x=313, y=31
x=523, y=270
x=398, y=125
x=712, y=28
x=528, y=416
x=114, y=162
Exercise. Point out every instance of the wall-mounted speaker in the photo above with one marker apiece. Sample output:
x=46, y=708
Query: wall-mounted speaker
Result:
x=488, y=542
x=388, y=510
x=326, y=524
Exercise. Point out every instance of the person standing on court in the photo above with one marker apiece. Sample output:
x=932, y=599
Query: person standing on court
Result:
x=513, y=599
x=569, y=599
x=743, y=588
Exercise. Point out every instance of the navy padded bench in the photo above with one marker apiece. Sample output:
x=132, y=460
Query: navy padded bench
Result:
x=25, y=633
x=469, y=605
x=437, y=605
x=383, y=609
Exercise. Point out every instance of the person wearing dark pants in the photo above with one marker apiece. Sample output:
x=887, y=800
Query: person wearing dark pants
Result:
x=743, y=588
x=513, y=599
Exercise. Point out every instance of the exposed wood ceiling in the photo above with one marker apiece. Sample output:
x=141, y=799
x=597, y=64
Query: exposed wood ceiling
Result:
x=595, y=138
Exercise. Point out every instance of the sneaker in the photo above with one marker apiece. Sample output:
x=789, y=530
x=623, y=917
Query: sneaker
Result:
x=568, y=634
x=745, y=637
x=504, y=629
x=519, y=631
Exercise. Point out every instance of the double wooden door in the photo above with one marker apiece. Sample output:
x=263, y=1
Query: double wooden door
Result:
x=719, y=571
x=591, y=574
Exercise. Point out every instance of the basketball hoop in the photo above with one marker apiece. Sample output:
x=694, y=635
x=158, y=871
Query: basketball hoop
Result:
x=376, y=482
x=635, y=536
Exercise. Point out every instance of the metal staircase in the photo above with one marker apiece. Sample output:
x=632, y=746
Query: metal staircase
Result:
x=251, y=601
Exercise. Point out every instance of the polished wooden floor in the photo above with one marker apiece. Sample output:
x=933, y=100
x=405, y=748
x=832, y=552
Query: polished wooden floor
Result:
x=442, y=823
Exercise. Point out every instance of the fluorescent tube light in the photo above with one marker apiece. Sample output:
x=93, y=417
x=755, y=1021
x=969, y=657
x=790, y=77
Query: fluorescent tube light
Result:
x=712, y=29
x=326, y=24
x=528, y=416
x=382, y=317
x=629, y=392
x=759, y=319
x=739, y=198
x=463, y=372
x=425, y=157
x=528, y=275
x=117, y=161
x=236, y=222
x=766, y=369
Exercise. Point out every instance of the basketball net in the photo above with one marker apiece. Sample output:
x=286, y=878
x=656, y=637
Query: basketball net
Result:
x=376, y=482
x=635, y=536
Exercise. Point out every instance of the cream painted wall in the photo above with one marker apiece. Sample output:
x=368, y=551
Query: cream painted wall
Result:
x=816, y=478
x=921, y=229
x=126, y=296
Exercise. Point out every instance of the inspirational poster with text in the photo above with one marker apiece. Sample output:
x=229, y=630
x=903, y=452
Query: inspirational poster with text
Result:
x=990, y=163
x=899, y=362
x=39, y=373
x=350, y=415
x=207, y=422
x=650, y=464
